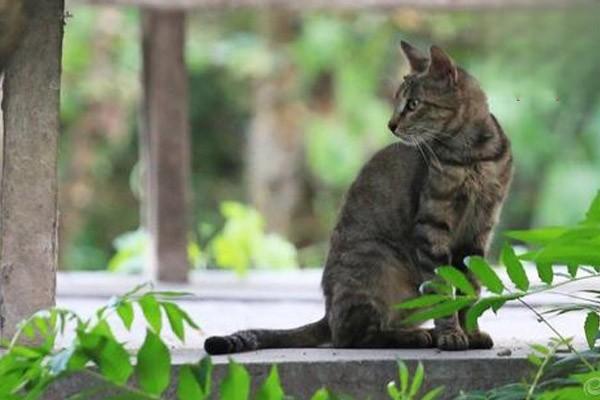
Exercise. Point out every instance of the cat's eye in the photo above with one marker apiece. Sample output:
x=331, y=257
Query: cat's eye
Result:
x=411, y=104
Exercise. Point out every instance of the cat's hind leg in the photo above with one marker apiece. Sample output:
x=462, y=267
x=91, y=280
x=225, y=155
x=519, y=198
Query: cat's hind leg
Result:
x=361, y=326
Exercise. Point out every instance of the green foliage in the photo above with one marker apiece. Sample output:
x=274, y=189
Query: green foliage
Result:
x=550, y=249
x=153, y=366
x=409, y=390
x=485, y=274
x=592, y=323
x=195, y=381
x=355, y=53
x=243, y=243
x=236, y=385
x=553, y=246
x=271, y=389
x=132, y=252
x=514, y=268
x=576, y=245
x=26, y=371
x=240, y=244
x=457, y=279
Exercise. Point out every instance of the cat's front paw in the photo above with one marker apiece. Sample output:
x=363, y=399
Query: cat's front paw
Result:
x=452, y=340
x=480, y=340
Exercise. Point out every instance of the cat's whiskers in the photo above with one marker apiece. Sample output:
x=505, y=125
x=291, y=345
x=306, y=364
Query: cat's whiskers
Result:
x=418, y=146
x=435, y=159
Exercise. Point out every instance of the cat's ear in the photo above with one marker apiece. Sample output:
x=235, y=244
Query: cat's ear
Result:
x=417, y=60
x=442, y=67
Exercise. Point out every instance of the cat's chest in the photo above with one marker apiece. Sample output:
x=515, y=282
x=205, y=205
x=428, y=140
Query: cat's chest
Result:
x=471, y=192
x=465, y=185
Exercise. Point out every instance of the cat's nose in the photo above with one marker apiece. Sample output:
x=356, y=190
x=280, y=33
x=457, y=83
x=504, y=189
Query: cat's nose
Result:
x=392, y=125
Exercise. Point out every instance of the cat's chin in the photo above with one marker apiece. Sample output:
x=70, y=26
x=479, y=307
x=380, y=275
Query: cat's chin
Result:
x=407, y=140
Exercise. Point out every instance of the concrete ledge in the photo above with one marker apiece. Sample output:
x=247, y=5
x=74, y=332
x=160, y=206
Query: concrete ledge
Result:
x=364, y=374
x=359, y=373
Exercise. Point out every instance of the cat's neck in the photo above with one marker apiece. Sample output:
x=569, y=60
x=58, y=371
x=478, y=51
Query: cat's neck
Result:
x=479, y=141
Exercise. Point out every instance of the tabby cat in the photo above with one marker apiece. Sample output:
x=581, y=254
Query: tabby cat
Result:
x=12, y=23
x=430, y=199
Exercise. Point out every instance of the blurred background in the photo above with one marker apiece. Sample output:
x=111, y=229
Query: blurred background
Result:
x=286, y=107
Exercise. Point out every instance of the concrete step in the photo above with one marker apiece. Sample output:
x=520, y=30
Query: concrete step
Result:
x=363, y=374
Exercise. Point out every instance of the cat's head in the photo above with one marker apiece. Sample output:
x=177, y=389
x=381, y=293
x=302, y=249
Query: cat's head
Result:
x=436, y=99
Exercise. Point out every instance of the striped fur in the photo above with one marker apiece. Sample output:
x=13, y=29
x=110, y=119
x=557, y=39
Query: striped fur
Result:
x=432, y=199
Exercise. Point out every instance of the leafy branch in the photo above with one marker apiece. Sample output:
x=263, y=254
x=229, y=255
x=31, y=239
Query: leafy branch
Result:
x=576, y=247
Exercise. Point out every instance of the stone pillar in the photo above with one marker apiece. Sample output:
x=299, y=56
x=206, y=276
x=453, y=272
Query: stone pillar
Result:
x=165, y=143
x=28, y=184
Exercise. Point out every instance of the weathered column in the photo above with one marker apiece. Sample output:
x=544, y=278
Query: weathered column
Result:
x=165, y=143
x=28, y=188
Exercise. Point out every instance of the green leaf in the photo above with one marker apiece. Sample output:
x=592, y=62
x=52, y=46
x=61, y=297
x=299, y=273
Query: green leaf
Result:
x=417, y=381
x=444, y=309
x=403, y=375
x=271, y=389
x=188, y=388
x=203, y=373
x=582, y=253
x=393, y=392
x=514, y=268
x=541, y=236
x=437, y=286
x=593, y=213
x=545, y=272
x=422, y=301
x=108, y=354
x=189, y=319
x=78, y=361
x=485, y=274
x=102, y=328
x=474, y=312
x=321, y=394
x=591, y=326
x=540, y=349
x=535, y=360
x=572, y=268
x=236, y=385
x=153, y=369
x=175, y=319
x=125, y=312
x=184, y=315
x=433, y=394
x=151, y=309
x=457, y=279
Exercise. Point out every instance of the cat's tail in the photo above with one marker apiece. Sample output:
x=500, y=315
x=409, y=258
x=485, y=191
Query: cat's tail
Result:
x=311, y=335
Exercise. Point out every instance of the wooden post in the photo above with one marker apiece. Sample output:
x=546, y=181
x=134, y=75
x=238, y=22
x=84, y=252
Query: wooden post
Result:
x=165, y=143
x=28, y=191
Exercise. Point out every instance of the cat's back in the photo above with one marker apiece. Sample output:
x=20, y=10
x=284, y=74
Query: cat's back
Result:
x=383, y=198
